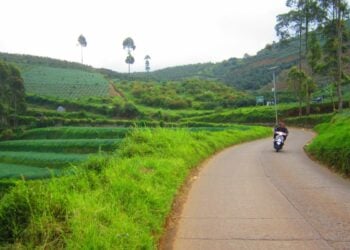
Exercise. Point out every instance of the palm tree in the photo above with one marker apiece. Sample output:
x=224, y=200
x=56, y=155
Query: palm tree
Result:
x=147, y=67
x=129, y=44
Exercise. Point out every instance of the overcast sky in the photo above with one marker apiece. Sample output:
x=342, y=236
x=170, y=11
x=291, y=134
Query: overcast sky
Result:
x=172, y=32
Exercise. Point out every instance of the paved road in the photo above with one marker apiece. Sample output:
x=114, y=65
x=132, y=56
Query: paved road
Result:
x=249, y=197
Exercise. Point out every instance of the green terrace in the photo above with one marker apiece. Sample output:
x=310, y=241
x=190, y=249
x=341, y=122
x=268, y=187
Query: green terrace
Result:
x=46, y=152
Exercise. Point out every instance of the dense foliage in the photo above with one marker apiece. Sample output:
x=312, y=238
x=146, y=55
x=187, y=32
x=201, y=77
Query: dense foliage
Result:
x=12, y=96
x=185, y=94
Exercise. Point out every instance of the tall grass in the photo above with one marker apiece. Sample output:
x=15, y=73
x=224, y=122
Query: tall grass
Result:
x=120, y=202
x=332, y=145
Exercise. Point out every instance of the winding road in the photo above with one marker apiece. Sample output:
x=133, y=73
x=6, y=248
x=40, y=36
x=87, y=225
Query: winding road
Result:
x=250, y=197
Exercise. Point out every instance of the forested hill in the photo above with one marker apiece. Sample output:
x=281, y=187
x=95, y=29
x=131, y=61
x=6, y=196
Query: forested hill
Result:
x=250, y=72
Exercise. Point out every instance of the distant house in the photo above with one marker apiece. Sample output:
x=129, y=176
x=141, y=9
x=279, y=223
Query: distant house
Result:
x=61, y=109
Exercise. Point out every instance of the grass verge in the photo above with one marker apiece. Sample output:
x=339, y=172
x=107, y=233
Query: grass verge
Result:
x=332, y=145
x=120, y=202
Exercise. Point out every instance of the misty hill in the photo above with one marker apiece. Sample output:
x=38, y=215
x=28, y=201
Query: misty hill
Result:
x=250, y=72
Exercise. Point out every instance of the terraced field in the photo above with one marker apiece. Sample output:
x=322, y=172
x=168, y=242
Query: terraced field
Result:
x=64, y=83
x=41, y=153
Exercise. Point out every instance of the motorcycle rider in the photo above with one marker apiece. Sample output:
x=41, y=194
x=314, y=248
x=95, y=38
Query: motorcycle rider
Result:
x=282, y=128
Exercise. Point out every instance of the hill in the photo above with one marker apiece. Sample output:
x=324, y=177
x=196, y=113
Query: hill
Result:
x=56, y=78
x=248, y=73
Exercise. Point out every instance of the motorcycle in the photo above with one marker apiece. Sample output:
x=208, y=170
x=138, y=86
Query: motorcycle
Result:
x=278, y=141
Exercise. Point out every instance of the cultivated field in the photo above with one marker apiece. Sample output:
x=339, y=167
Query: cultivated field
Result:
x=43, y=152
x=64, y=83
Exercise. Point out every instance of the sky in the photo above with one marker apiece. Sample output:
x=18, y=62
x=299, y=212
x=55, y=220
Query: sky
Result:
x=171, y=32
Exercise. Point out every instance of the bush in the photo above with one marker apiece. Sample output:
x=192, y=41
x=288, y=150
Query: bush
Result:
x=7, y=134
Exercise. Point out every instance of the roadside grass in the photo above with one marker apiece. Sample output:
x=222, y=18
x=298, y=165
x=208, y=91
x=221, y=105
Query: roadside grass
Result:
x=116, y=202
x=332, y=145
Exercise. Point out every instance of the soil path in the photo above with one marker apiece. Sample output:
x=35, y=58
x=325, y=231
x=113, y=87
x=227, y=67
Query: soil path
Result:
x=250, y=197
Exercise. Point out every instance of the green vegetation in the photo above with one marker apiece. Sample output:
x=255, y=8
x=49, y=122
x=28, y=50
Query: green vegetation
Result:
x=55, y=149
x=10, y=171
x=187, y=94
x=118, y=201
x=12, y=97
x=75, y=133
x=309, y=121
x=64, y=83
x=39, y=159
x=332, y=145
x=249, y=73
x=61, y=145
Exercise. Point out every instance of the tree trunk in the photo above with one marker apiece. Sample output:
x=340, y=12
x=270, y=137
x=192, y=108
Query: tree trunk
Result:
x=308, y=96
x=300, y=58
x=339, y=58
x=81, y=53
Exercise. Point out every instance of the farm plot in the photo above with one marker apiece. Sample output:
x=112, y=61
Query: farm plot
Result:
x=76, y=133
x=81, y=146
x=64, y=83
x=29, y=172
x=40, y=158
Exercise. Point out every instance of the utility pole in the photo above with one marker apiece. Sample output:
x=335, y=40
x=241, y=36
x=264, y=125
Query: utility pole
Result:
x=274, y=90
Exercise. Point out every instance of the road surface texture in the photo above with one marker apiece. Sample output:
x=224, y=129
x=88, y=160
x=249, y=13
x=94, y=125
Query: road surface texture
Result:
x=250, y=197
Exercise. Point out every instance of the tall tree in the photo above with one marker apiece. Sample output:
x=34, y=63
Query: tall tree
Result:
x=336, y=35
x=129, y=44
x=296, y=80
x=147, y=64
x=313, y=58
x=129, y=60
x=303, y=16
x=82, y=43
x=12, y=97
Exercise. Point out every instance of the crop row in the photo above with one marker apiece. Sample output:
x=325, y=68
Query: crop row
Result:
x=40, y=159
x=75, y=133
x=58, y=76
x=29, y=172
x=61, y=146
x=67, y=90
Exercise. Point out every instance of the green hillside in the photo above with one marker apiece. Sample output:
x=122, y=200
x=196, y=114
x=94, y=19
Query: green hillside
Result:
x=50, y=77
x=249, y=73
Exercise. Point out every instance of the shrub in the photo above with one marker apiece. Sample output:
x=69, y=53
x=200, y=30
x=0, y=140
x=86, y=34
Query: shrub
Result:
x=7, y=134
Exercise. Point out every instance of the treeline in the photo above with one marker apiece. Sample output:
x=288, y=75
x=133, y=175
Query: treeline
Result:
x=12, y=96
x=307, y=21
